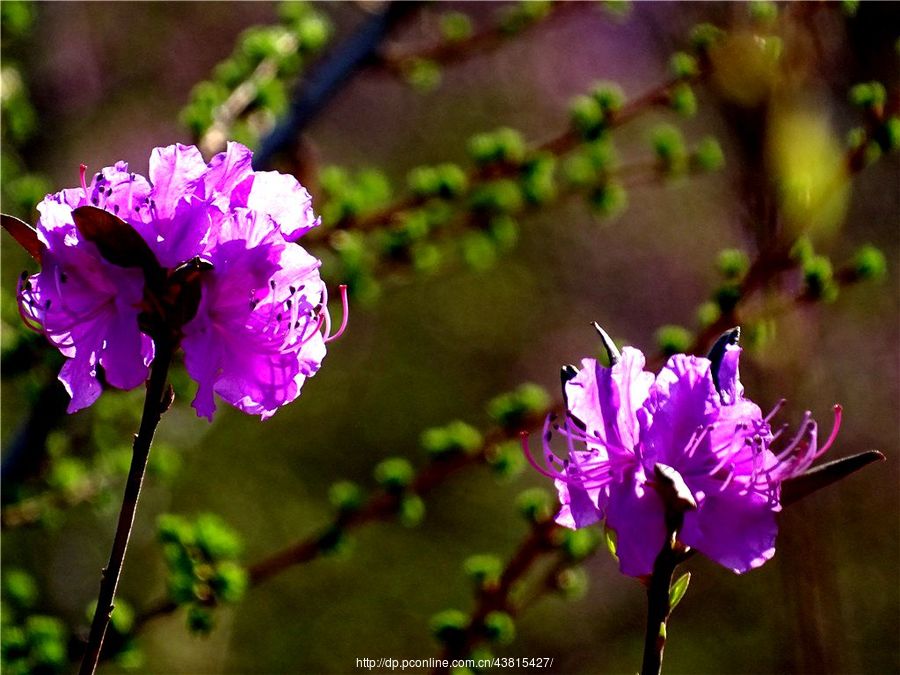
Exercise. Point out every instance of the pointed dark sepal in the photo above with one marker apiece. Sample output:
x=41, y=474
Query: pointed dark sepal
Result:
x=566, y=374
x=717, y=353
x=183, y=292
x=794, y=489
x=25, y=234
x=118, y=242
x=611, y=350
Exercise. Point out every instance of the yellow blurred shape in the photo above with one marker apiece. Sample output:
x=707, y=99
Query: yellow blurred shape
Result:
x=810, y=172
x=745, y=66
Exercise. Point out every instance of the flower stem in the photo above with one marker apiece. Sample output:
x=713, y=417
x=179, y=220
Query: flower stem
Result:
x=156, y=402
x=658, y=608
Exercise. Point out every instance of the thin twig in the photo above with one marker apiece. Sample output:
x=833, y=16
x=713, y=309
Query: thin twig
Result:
x=154, y=406
x=445, y=52
x=560, y=144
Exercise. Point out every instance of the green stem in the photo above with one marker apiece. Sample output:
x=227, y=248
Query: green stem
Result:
x=658, y=608
x=155, y=404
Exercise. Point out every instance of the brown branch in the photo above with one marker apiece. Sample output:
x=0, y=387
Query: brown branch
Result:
x=538, y=543
x=560, y=144
x=445, y=52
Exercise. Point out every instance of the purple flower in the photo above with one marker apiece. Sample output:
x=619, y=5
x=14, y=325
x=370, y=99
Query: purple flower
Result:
x=623, y=426
x=87, y=307
x=256, y=333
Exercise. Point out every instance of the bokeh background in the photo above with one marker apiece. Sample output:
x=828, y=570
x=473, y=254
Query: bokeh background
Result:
x=108, y=81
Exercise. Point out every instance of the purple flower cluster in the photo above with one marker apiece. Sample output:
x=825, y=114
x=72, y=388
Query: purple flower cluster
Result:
x=256, y=333
x=623, y=425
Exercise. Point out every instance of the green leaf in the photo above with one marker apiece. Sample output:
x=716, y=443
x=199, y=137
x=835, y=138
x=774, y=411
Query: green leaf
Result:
x=678, y=589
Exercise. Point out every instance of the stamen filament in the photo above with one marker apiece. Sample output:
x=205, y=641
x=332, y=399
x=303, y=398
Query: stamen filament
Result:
x=345, y=309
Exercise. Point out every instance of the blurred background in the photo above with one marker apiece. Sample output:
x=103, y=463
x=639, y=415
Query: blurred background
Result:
x=100, y=82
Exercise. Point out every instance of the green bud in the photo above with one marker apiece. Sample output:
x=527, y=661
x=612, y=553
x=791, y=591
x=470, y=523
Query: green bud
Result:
x=452, y=180
x=516, y=17
x=609, y=200
x=587, y=116
x=484, y=570
x=199, y=620
x=673, y=339
x=708, y=313
x=454, y=438
x=394, y=474
x=668, y=145
x=478, y=251
x=535, y=505
x=579, y=544
x=181, y=587
x=506, y=459
x=683, y=66
x=499, y=627
x=215, y=538
x=708, y=155
x=346, y=496
x=705, y=35
x=888, y=135
x=732, y=263
x=572, y=583
x=609, y=96
x=682, y=100
x=229, y=581
x=423, y=181
x=539, y=179
x=426, y=258
x=616, y=8
x=449, y=626
x=503, y=231
x=512, y=408
x=482, y=148
x=19, y=588
x=455, y=26
x=69, y=474
x=849, y=7
x=122, y=618
x=503, y=145
x=130, y=657
x=174, y=529
x=818, y=276
x=869, y=262
x=13, y=641
x=579, y=170
x=763, y=12
x=46, y=636
x=802, y=250
x=868, y=95
x=510, y=145
x=313, y=32
x=423, y=74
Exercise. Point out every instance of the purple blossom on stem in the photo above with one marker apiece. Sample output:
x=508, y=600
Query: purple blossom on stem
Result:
x=622, y=424
x=254, y=334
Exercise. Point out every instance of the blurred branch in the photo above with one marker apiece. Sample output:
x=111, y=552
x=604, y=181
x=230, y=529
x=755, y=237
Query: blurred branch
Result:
x=313, y=92
x=558, y=145
x=398, y=59
x=536, y=545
